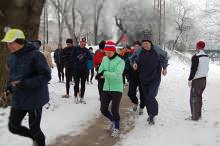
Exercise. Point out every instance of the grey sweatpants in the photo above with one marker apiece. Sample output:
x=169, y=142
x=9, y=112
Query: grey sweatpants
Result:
x=198, y=86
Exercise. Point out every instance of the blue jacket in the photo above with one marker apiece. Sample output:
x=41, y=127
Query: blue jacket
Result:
x=90, y=64
x=162, y=54
x=29, y=66
x=80, y=58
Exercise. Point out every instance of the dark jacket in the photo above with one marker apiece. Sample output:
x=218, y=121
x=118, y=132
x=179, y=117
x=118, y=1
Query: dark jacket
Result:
x=29, y=66
x=80, y=58
x=149, y=66
x=58, y=59
x=67, y=59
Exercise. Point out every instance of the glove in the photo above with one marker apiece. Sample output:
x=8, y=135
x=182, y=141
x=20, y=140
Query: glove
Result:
x=190, y=83
x=20, y=85
x=99, y=75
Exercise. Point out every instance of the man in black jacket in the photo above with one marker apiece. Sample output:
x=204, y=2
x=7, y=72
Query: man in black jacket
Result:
x=149, y=67
x=59, y=62
x=68, y=64
x=80, y=57
x=29, y=74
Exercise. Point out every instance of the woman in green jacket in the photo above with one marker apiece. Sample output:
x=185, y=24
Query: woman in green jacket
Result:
x=111, y=69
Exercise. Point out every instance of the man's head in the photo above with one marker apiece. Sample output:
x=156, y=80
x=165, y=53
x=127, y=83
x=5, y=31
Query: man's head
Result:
x=60, y=46
x=147, y=44
x=82, y=43
x=69, y=42
x=200, y=45
x=15, y=40
x=90, y=49
x=110, y=49
x=137, y=45
x=102, y=45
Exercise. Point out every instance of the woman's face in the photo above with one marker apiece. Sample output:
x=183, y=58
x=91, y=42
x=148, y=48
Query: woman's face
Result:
x=109, y=53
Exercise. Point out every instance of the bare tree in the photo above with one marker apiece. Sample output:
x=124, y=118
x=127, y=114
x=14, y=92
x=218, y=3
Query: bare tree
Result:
x=98, y=8
x=64, y=13
x=22, y=14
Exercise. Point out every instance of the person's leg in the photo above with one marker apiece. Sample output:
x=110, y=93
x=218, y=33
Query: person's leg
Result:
x=197, y=89
x=116, y=100
x=76, y=86
x=68, y=79
x=92, y=74
x=34, y=124
x=62, y=71
x=14, y=125
x=83, y=84
x=203, y=86
x=87, y=77
x=150, y=92
x=132, y=91
x=105, y=101
x=59, y=71
x=142, y=100
x=100, y=87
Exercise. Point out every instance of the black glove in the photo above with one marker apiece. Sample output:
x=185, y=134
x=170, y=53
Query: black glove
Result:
x=20, y=85
x=99, y=75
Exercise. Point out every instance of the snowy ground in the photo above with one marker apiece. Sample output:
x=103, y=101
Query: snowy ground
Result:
x=62, y=117
x=171, y=128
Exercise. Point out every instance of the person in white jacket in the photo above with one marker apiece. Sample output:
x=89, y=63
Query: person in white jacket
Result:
x=197, y=80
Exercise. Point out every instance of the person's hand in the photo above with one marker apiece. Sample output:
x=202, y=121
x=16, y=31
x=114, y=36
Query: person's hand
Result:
x=135, y=66
x=100, y=75
x=190, y=83
x=164, y=72
x=14, y=83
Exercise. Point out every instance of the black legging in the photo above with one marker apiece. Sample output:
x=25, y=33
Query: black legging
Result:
x=60, y=68
x=92, y=75
x=34, y=131
x=80, y=77
x=69, y=75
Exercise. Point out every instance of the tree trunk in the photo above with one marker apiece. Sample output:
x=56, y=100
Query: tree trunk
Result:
x=22, y=14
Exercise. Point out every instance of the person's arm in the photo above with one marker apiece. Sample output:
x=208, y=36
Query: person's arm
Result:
x=114, y=75
x=163, y=56
x=194, y=67
x=41, y=76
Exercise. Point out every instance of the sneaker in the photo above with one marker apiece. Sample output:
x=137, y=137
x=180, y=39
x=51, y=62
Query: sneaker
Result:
x=111, y=126
x=115, y=133
x=59, y=81
x=76, y=100
x=151, y=120
x=65, y=96
x=82, y=101
x=34, y=143
x=141, y=111
x=135, y=107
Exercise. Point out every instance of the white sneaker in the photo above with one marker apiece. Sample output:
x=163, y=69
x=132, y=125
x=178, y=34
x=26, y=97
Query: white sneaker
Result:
x=82, y=101
x=141, y=111
x=76, y=100
x=111, y=126
x=115, y=133
x=135, y=107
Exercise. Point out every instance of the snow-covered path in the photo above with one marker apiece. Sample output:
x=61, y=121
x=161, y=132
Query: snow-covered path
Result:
x=171, y=128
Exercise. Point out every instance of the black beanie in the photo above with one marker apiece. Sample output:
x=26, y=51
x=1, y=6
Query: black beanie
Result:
x=69, y=41
x=102, y=45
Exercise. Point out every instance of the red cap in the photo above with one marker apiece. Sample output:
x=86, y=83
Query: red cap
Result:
x=110, y=46
x=200, y=45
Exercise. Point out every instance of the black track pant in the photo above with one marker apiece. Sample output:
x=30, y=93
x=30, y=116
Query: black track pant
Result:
x=69, y=75
x=115, y=98
x=150, y=91
x=198, y=87
x=34, y=131
x=60, y=68
x=80, y=78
